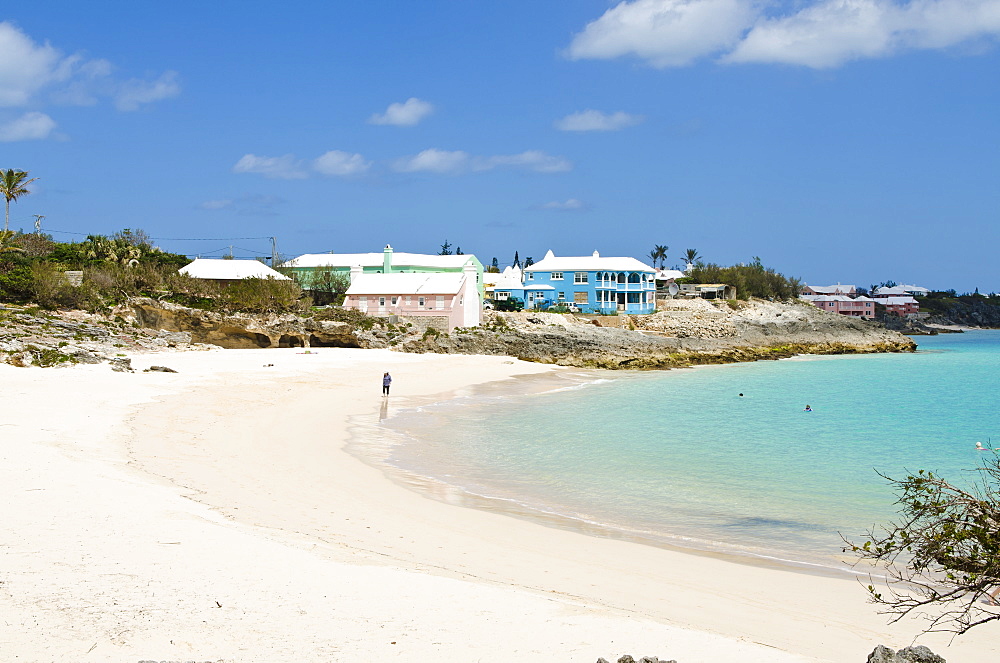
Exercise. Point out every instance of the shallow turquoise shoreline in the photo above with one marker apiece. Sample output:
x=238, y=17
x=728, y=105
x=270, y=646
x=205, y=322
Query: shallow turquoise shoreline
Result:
x=678, y=458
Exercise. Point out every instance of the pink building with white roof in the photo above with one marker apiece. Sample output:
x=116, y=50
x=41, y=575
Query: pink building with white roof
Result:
x=900, y=305
x=452, y=296
x=858, y=307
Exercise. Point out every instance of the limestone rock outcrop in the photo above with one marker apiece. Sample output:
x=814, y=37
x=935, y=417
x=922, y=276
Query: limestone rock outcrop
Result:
x=241, y=330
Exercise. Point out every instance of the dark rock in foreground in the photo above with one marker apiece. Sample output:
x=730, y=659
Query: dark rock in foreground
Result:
x=918, y=654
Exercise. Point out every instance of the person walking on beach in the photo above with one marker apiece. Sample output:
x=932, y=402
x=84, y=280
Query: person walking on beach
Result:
x=386, y=381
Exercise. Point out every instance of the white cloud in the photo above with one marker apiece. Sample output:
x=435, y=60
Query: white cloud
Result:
x=833, y=32
x=593, y=120
x=828, y=33
x=26, y=67
x=30, y=126
x=535, y=160
x=336, y=162
x=38, y=74
x=665, y=33
x=452, y=163
x=570, y=205
x=133, y=93
x=405, y=114
x=434, y=160
x=279, y=168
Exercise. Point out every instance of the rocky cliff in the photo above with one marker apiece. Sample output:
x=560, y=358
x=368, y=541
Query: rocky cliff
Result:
x=685, y=333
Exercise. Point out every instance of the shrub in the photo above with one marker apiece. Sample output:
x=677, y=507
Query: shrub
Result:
x=351, y=316
x=15, y=282
x=753, y=280
x=256, y=295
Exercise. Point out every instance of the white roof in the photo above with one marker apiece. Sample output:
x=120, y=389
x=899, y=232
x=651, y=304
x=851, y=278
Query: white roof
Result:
x=897, y=301
x=900, y=291
x=833, y=289
x=376, y=260
x=593, y=263
x=218, y=268
x=667, y=274
x=440, y=283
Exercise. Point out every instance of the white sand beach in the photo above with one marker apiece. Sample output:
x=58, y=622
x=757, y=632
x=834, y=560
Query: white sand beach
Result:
x=214, y=515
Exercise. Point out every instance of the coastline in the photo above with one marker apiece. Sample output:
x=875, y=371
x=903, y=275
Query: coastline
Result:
x=379, y=443
x=309, y=552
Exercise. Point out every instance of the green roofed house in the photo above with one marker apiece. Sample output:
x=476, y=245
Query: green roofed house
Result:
x=303, y=268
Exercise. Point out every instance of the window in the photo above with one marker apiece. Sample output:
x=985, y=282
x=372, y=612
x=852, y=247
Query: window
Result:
x=395, y=300
x=562, y=296
x=420, y=302
x=529, y=276
x=580, y=298
x=580, y=277
x=381, y=301
x=439, y=302
x=557, y=276
x=409, y=300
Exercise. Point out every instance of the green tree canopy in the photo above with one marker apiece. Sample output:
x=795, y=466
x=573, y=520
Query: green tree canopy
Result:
x=753, y=280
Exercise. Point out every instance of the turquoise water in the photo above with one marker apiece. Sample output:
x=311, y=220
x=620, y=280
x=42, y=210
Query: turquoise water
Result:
x=679, y=458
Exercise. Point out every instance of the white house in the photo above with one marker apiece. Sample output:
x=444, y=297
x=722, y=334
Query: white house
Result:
x=218, y=269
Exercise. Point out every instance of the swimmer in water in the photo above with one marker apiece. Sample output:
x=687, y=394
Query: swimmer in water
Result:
x=808, y=408
x=980, y=447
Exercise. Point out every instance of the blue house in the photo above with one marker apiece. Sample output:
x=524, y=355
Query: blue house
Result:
x=591, y=283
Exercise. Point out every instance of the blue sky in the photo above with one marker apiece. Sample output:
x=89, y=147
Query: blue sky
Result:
x=839, y=140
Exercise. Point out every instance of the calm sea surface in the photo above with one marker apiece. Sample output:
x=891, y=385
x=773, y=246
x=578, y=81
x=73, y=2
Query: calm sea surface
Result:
x=678, y=458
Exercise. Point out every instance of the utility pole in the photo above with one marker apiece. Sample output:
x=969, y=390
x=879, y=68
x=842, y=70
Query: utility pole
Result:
x=38, y=222
x=274, y=252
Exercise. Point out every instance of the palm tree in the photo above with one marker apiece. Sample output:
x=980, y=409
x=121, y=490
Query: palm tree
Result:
x=6, y=242
x=691, y=256
x=659, y=254
x=12, y=186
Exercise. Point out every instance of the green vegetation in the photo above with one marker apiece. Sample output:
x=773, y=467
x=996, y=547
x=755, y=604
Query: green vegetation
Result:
x=971, y=309
x=327, y=286
x=351, y=316
x=117, y=268
x=753, y=280
x=943, y=555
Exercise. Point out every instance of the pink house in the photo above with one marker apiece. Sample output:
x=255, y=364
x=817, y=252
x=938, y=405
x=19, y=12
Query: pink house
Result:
x=452, y=296
x=858, y=307
x=901, y=306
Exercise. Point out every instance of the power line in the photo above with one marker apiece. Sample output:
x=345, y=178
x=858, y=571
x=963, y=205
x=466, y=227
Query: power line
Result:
x=170, y=239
